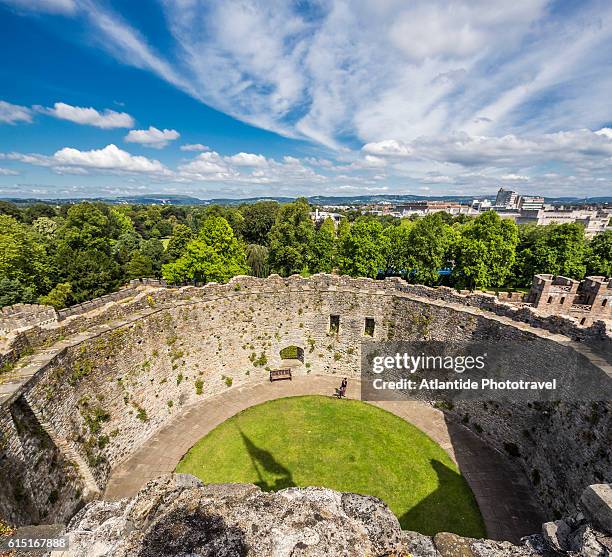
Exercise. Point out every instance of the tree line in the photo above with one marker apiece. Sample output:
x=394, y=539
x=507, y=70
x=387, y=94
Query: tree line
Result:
x=66, y=254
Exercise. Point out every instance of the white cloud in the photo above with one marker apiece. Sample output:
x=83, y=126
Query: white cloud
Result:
x=515, y=178
x=109, y=158
x=388, y=147
x=247, y=159
x=152, y=137
x=341, y=73
x=206, y=166
x=13, y=113
x=107, y=119
x=194, y=147
x=370, y=71
x=606, y=132
x=8, y=172
x=580, y=147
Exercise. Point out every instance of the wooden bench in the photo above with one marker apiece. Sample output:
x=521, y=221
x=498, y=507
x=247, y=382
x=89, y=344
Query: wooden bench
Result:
x=277, y=374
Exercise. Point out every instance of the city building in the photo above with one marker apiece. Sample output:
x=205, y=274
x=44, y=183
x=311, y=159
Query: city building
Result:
x=318, y=216
x=530, y=203
x=506, y=198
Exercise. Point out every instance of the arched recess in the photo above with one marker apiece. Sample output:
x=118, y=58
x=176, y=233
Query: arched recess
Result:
x=292, y=352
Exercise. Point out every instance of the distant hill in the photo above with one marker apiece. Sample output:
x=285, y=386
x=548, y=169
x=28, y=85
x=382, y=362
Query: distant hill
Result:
x=171, y=199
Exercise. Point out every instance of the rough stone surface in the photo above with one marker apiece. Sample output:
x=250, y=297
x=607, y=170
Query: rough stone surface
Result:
x=557, y=534
x=177, y=515
x=596, y=502
x=171, y=517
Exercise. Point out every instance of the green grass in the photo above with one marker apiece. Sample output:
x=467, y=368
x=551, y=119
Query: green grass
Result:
x=344, y=445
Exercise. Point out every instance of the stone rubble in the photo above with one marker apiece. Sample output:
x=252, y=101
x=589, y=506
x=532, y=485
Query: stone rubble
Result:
x=177, y=515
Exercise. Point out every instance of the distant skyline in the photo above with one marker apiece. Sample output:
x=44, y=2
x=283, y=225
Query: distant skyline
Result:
x=244, y=98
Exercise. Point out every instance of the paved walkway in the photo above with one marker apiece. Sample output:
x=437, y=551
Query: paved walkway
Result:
x=501, y=489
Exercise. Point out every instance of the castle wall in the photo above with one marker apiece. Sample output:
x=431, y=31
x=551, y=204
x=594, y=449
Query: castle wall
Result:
x=119, y=382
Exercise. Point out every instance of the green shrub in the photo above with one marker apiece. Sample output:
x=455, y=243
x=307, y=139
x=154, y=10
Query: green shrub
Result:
x=199, y=386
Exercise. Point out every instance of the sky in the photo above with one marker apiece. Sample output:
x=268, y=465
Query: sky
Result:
x=244, y=98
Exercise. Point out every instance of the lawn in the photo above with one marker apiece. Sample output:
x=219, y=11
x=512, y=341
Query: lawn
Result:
x=344, y=445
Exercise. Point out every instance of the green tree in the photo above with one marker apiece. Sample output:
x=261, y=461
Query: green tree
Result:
x=10, y=209
x=120, y=221
x=231, y=214
x=257, y=260
x=12, y=292
x=38, y=210
x=23, y=257
x=599, y=255
x=125, y=245
x=429, y=246
x=215, y=255
x=364, y=250
x=258, y=221
x=485, y=252
x=344, y=227
x=291, y=239
x=324, y=247
x=558, y=249
x=86, y=226
x=45, y=226
x=181, y=236
x=91, y=272
x=153, y=248
x=399, y=246
x=58, y=296
x=139, y=266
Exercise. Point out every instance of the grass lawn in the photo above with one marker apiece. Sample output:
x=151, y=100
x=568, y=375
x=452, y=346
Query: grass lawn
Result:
x=344, y=445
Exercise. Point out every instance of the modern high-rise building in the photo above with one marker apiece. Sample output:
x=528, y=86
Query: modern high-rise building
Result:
x=506, y=198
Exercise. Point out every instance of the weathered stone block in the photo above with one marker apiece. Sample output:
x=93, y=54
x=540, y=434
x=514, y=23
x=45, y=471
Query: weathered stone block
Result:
x=596, y=503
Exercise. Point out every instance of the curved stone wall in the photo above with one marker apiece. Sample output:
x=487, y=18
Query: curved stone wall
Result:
x=101, y=393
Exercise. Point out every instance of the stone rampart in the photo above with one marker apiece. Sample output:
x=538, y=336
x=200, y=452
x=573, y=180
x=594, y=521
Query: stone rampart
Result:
x=112, y=379
x=20, y=316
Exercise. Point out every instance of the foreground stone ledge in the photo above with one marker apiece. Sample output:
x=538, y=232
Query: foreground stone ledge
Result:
x=177, y=515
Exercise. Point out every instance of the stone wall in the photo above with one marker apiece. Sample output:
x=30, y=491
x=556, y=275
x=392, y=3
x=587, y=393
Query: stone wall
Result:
x=115, y=386
x=125, y=292
x=19, y=316
x=586, y=300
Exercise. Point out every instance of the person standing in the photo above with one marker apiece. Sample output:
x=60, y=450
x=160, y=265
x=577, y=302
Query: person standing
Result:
x=343, y=386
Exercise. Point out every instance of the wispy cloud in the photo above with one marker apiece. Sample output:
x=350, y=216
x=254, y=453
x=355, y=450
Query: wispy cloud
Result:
x=194, y=147
x=13, y=113
x=448, y=94
x=50, y=6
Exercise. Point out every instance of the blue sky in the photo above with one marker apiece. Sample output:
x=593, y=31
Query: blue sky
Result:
x=244, y=98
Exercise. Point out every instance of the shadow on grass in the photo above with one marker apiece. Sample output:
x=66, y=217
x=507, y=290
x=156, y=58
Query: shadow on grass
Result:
x=438, y=511
x=266, y=465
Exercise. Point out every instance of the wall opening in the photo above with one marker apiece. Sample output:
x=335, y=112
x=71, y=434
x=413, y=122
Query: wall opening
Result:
x=292, y=353
x=369, y=327
x=604, y=303
x=562, y=300
x=334, y=323
x=549, y=300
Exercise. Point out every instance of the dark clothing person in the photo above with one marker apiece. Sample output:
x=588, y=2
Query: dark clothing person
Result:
x=343, y=386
